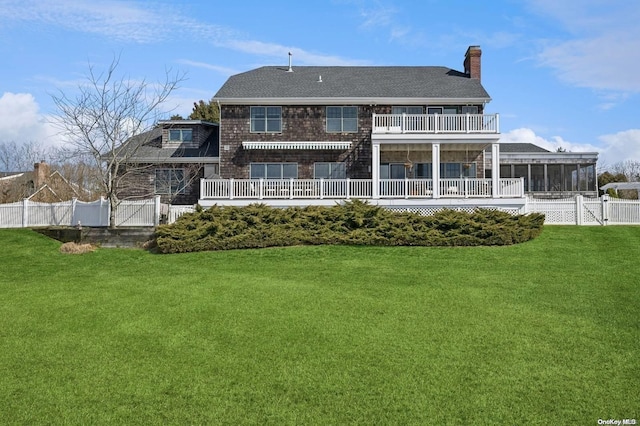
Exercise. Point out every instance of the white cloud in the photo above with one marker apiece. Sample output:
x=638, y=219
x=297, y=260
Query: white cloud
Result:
x=138, y=23
x=221, y=70
x=21, y=120
x=122, y=21
x=614, y=148
x=603, y=63
x=379, y=16
x=300, y=56
x=600, y=52
x=116, y=20
x=620, y=146
x=525, y=135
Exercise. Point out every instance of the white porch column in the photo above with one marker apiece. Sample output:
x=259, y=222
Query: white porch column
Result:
x=495, y=170
x=375, y=170
x=435, y=169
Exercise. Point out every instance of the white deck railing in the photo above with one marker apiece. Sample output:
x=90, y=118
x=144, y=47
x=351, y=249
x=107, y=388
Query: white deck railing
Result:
x=284, y=188
x=260, y=189
x=436, y=123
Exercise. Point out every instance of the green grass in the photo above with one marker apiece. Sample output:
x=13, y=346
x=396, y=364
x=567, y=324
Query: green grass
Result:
x=543, y=332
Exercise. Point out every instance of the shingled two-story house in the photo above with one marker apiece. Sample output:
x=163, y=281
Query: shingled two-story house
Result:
x=303, y=135
x=396, y=136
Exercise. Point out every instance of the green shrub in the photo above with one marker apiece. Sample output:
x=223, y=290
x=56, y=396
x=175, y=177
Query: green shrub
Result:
x=352, y=223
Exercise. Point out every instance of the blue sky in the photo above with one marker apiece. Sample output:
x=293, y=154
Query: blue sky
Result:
x=560, y=72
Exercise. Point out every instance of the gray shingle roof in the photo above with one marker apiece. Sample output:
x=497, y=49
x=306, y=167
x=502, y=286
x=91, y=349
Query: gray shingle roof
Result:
x=147, y=147
x=352, y=82
x=520, y=147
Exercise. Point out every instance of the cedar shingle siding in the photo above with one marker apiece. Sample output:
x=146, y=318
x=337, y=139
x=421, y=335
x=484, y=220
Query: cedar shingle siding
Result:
x=308, y=123
x=140, y=184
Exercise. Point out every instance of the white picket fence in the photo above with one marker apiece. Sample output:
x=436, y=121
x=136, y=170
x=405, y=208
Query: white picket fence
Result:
x=571, y=211
x=176, y=211
x=586, y=211
x=27, y=213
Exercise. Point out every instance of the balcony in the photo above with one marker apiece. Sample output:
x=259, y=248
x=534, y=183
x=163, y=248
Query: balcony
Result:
x=465, y=124
x=345, y=189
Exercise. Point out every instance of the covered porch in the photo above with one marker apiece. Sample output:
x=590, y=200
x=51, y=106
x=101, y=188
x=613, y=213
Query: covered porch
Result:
x=448, y=150
x=430, y=159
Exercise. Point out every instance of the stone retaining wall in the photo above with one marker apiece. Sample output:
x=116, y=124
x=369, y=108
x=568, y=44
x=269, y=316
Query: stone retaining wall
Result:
x=103, y=237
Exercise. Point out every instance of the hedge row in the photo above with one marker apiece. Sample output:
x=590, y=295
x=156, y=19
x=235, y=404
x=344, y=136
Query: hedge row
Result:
x=353, y=223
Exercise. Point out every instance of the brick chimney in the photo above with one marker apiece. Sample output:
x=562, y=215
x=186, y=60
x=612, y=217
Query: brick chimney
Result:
x=40, y=174
x=472, y=62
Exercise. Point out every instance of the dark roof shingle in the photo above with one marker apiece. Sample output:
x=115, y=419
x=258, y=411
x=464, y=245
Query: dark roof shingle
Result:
x=520, y=147
x=147, y=147
x=352, y=82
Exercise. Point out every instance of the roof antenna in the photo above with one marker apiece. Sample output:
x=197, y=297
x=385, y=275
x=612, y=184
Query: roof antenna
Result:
x=290, y=69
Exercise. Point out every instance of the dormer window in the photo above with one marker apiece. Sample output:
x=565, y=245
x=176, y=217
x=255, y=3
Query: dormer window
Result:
x=179, y=136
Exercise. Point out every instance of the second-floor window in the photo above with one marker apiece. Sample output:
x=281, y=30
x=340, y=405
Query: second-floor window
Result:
x=342, y=119
x=266, y=119
x=180, y=135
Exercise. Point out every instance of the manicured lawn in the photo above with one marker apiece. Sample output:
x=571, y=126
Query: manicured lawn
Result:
x=546, y=332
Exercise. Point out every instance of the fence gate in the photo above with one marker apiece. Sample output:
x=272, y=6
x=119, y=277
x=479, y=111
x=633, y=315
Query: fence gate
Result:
x=592, y=212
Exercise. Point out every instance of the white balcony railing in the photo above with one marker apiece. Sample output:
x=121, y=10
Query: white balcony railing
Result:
x=436, y=123
x=344, y=189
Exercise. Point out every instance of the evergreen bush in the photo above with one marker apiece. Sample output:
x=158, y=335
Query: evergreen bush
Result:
x=353, y=222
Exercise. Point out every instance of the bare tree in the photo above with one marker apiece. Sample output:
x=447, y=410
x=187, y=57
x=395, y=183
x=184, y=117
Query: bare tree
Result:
x=83, y=176
x=628, y=168
x=20, y=157
x=107, y=120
